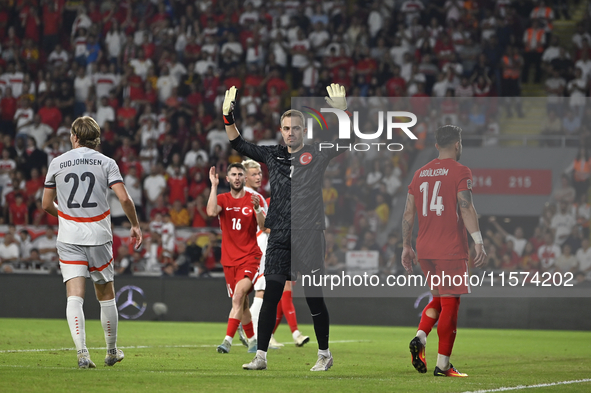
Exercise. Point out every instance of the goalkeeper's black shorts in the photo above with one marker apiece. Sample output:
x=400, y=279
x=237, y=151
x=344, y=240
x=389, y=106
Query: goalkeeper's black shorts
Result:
x=290, y=252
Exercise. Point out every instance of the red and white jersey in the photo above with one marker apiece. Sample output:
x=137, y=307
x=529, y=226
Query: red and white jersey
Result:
x=6, y=166
x=168, y=237
x=104, y=83
x=82, y=178
x=435, y=186
x=239, y=229
x=261, y=236
x=16, y=82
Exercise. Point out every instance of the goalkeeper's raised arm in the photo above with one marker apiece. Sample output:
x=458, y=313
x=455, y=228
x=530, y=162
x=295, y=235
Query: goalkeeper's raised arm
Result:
x=228, y=112
x=257, y=153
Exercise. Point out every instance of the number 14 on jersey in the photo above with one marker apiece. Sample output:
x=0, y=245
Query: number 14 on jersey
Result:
x=436, y=204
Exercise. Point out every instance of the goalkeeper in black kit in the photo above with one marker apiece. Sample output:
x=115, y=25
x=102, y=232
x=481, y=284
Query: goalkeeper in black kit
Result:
x=295, y=217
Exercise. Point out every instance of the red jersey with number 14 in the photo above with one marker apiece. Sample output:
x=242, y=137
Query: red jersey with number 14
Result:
x=435, y=186
x=239, y=229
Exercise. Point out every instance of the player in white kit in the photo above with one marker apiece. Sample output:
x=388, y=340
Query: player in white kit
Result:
x=80, y=179
x=253, y=178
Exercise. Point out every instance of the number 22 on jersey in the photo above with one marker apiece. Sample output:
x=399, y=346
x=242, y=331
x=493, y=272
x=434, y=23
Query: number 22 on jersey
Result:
x=436, y=204
x=76, y=182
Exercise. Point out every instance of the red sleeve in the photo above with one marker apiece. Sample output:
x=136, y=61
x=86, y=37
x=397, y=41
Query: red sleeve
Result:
x=411, y=186
x=221, y=201
x=464, y=179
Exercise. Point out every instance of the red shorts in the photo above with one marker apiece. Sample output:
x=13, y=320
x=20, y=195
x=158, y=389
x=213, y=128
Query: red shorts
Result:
x=233, y=274
x=448, y=276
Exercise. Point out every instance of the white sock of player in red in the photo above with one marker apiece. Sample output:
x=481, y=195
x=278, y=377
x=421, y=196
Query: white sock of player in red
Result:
x=255, y=310
x=75, y=317
x=109, y=320
x=422, y=336
x=442, y=362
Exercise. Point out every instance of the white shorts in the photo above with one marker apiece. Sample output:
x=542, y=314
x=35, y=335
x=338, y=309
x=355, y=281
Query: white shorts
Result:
x=95, y=262
x=259, y=282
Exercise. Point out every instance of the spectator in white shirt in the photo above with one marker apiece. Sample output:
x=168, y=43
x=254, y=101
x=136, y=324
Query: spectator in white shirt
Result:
x=217, y=136
x=82, y=86
x=141, y=64
x=319, y=39
x=38, y=130
x=165, y=84
x=23, y=116
x=192, y=155
x=548, y=252
x=104, y=81
x=82, y=21
x=204, y=63
x=104, y=113
x=375, y=20
x=580, y=36
x=411, y=9
x=518, y=240
x=114, y=41
x=584, y=63
x=255, y=54
x=15, y=78
x=562, y=223
x=58, y=56
x=47, y=246
x=9, y=253
x=249, y=17
x=177, y=69
x=154, y=187
x=149, y=156
x=584, y=259
x=232, y=49
x=134, y=188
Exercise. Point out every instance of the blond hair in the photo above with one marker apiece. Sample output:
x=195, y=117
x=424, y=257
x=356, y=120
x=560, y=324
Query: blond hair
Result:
x=87, y=130
x=251, y=164
x=293, y=113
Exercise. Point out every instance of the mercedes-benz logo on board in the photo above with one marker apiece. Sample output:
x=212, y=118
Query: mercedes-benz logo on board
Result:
x=131, y=302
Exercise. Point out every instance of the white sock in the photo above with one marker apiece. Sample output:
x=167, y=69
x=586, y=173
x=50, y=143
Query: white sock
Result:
x=443, y=362
x=75, y=317
x=262, y=354
x=422, y=336
x=109, y=320
x=255, y=310
x=324, y=352
x=229, y=339
x=296, y=334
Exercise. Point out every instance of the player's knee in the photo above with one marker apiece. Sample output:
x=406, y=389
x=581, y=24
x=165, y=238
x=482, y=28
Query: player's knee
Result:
x=432, y=313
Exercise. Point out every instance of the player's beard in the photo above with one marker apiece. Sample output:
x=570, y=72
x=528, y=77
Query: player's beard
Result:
x=237, y=189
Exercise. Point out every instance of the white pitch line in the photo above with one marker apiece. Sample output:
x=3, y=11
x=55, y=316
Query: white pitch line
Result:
x=520, y=387
x=154, y=346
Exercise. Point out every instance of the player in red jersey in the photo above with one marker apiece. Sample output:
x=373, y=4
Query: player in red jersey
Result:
x=441, y=193
x=239, y=213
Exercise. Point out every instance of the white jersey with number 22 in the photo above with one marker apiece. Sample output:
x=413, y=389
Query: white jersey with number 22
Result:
x=82, y=177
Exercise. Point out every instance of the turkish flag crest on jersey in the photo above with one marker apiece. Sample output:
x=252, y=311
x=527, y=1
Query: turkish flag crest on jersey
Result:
x=305, y=158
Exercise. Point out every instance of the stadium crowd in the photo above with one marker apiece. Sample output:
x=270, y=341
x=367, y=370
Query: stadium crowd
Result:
x=153, y=74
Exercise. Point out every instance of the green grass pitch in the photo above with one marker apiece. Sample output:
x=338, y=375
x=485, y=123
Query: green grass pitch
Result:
x=36, y=356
